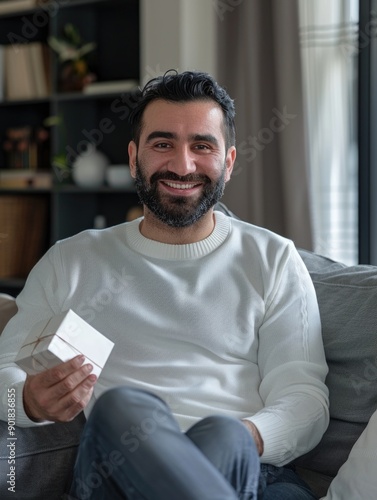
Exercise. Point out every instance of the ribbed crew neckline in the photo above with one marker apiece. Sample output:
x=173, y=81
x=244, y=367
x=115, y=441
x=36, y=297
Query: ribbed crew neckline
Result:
x=151, y=248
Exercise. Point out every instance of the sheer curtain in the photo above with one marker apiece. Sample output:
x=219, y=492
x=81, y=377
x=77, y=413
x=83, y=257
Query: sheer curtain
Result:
x=329, y=41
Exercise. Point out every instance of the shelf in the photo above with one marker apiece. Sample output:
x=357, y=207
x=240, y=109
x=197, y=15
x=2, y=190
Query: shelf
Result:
x=73, y=189
x=65, y=96
x=100, y=117
x=81, y=96
x=79, y=3
x=24, y=191
x=49, y=6
x=67, y=189
x=22, y=102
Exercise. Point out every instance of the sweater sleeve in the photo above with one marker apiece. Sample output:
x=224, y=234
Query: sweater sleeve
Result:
x=38, y=300
x=292, y=364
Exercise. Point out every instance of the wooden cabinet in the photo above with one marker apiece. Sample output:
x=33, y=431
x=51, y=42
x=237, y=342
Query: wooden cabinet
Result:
x=99, y=117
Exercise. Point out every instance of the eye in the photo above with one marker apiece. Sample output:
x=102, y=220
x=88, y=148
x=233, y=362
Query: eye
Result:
x=162, y=145
x=202, y=147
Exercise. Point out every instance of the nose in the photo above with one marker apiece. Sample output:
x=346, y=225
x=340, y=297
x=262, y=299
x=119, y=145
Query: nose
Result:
x=183, y=161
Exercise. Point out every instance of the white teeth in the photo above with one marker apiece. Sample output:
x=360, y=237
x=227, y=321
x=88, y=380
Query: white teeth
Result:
x=179, y=186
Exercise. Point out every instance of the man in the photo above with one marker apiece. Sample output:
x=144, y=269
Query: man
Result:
x=218, y=356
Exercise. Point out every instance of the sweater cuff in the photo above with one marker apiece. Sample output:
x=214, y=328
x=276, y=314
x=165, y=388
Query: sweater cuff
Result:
x=277, y=450
x=22, y=420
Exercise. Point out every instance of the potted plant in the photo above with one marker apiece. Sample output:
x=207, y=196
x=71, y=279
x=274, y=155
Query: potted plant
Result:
x=74, y=71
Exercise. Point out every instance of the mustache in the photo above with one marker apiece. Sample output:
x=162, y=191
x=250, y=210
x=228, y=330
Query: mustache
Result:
x=171, y=176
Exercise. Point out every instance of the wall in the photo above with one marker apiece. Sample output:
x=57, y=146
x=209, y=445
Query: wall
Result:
x=179, y=34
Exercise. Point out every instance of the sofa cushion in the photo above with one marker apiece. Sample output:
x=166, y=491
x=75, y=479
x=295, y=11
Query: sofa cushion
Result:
x=44, y=459
x=347, y=298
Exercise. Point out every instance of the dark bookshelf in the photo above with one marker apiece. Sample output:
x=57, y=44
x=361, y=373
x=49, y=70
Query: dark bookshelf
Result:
x=115, y=27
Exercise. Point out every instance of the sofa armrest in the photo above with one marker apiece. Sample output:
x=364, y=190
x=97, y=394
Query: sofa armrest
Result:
x=49, y=448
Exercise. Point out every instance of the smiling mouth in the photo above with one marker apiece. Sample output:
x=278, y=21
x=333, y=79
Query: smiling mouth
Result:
x=175, y=185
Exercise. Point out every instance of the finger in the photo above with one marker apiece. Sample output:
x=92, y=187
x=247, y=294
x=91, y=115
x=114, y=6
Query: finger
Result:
x=74, y=402
x=70, y=382
x=57, y=373
x=81, y=395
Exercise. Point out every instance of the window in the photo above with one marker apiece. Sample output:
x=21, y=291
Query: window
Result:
x=329, y=49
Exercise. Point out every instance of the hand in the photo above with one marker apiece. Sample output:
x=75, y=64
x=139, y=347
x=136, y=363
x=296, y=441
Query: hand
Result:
x=255, y=433
x=60, y=393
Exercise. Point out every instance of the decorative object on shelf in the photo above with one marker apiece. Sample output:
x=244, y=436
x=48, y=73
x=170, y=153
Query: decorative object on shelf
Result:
x=89, y=168
x=111, y=87
x=99, y=222
x=26, y=148
x=75, y=73
x=61, y=168
x=59, y=161
x=119, y=176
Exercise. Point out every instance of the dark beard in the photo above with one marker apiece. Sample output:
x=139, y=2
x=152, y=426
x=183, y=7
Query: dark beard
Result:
x=178, y=211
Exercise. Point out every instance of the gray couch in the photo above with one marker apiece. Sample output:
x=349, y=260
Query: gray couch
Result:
x=347, y=299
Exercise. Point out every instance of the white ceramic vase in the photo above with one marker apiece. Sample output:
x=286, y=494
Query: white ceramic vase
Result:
x=119, y=176
x=89, y=168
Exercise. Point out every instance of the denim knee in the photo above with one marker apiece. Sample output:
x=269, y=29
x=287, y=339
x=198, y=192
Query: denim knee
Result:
x=127, y=405
x=226, y=430
x=125, y=397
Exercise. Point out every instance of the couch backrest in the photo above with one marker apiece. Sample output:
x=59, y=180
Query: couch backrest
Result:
x=347, y=298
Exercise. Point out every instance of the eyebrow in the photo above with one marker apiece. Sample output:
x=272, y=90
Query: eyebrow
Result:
x=171, y=135
x=160, y=134
x=206, y=138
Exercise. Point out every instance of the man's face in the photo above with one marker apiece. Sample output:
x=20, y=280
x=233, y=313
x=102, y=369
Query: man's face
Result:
x=181, y=165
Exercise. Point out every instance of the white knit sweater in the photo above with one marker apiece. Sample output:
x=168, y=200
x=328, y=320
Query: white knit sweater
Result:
x=229, y=325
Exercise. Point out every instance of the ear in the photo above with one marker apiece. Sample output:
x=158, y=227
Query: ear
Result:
x=229, y=162
x=132, y=155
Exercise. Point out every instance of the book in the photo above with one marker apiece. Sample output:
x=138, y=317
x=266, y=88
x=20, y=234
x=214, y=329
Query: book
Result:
x=18, y=148
x=19, y=82
x=110, y=87
x=12, y=6
x=27, y=71
x=38, y=69
x=24, y=179
x=46, y=56
x=2, y=76
x=42, y=139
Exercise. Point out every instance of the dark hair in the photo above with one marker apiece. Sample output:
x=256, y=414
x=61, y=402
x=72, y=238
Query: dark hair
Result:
x=184, y=87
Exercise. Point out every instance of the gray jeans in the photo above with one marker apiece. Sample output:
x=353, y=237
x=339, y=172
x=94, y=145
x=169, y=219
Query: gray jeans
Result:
x=132, y=448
